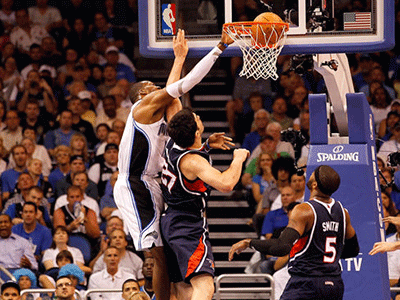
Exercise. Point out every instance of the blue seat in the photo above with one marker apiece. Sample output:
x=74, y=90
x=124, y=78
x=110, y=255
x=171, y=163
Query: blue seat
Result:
x=82, y=243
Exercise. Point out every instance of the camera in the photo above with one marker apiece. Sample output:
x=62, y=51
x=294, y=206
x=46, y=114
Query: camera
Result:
x=394, y=159
x=301, y=63
x=295, y=137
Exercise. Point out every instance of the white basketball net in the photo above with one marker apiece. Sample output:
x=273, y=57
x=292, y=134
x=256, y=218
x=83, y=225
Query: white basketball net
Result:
x=259, y=58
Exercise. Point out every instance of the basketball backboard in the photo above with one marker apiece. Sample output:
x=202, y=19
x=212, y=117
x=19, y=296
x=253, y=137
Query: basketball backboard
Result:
x=316, y=26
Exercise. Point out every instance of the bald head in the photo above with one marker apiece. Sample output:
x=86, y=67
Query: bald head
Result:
x=135, y=91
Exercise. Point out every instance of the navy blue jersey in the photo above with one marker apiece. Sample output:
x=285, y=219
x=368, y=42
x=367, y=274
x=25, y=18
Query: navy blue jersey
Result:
x=317, y=252
x=179, y=192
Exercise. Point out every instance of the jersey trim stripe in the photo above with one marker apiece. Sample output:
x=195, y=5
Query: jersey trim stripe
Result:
x=310, y=236
x=205, y=246
x=344, y=222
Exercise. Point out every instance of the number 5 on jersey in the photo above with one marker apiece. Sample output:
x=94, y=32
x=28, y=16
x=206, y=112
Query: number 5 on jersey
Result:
x=167, y=178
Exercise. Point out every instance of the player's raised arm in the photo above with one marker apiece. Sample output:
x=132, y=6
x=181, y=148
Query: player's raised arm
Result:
x=193, y=165
x=180, y=52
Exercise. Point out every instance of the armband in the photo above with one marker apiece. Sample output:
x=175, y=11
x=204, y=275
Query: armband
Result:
x=351, y=247
x=196, y=75
x=277, y=247
x=223, y=44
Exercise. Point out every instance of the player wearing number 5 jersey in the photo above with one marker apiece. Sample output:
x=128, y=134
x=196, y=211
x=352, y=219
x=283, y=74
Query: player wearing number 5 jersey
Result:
x=318, y=235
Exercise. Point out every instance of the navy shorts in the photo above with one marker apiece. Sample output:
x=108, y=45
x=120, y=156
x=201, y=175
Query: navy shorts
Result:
x=187, y=246
x=314, y=288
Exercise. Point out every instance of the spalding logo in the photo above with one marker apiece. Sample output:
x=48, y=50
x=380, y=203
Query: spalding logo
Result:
x=337, y=155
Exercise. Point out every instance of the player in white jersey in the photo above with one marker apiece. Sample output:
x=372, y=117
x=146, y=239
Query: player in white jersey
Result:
x=137, y=192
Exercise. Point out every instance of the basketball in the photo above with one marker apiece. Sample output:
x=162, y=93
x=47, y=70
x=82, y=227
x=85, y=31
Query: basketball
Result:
x=267, y=33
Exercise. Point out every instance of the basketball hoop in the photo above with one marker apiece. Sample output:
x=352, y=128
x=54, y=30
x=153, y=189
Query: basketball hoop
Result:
x=261, y=44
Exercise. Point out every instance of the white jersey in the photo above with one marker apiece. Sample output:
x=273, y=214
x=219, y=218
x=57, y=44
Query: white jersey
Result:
x=141, y=148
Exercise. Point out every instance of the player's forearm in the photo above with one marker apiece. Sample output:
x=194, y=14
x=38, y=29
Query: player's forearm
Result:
x=176, y=70
x=231, y=176
x=197, y=74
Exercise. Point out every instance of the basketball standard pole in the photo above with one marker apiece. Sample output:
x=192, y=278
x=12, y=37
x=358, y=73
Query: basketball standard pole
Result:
x=352, y=153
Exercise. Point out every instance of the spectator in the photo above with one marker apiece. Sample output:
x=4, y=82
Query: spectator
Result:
x=15, y=251
x=62, y=135
x=386, y=125
x=102, y=28
x=60, y=243
x=65, y=289
x=377, y=74
x=35, y=170
x=65, y=72
x=9, y=178
x=36, y=87
x=380, y=105
x=36, y=62
x=101, y=172
x=102, y=131
x=50, y=53
x=81, y=179
x=264, y=177
x=298, y=185
x=392, y=145
x=107, y=202
x=78, y=37
x=62, y=155
x=129, y=261
x=47, y=280
x=114, y=222
x=26, y=279
x=34, y=119
x=82, y=220
x=296, y=102
x=3, y=164
x=111, y=112
x=123, y=71
x=12, y=134
x=124, y=86
x=261, y=120
x=274, y=129
x=118, y=126
x=10, y=291
x=112, y=276
x=39, y=236
x=87, y=114
x=80, y=125
x=35, y=151
x=77, y=166
x=148, y=266
x=279, y=109
x=12, y=81
x=129, y=287
x=75, y=273
x=25, y=34
x=47, y=16
x=96, y=77
x=79, y=147
x=110, y=80
x=3, y=107
x=7, y=15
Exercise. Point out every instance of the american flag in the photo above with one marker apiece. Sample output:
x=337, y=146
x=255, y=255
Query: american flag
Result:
x=357, y=21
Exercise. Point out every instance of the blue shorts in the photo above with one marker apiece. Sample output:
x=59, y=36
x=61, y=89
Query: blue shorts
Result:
x=314, y=288
x=187, y=246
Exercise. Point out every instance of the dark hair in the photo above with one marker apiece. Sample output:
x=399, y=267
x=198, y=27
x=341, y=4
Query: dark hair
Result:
x=8, y=217
x=65, y=254
x=109, y=97
x=283, y=163
x=34, y=46
x=328, y=180
x=74, y=188
x=127, y=281
x=59, y=227
x=182, y=128
x=103, y=125
x=64, y=276
x=30, y=203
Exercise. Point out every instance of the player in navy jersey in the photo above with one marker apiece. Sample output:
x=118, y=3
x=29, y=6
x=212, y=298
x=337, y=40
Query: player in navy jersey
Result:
x=186, y=180
x=137, y=192
x=318, y=235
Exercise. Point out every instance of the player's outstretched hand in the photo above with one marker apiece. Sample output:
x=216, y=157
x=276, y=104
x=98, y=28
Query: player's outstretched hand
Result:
x=382, y=247
x=393, y=220
x=241, y=154
x=239, y=247
x=219, y=140
x=225, y=38
x=180, y=44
